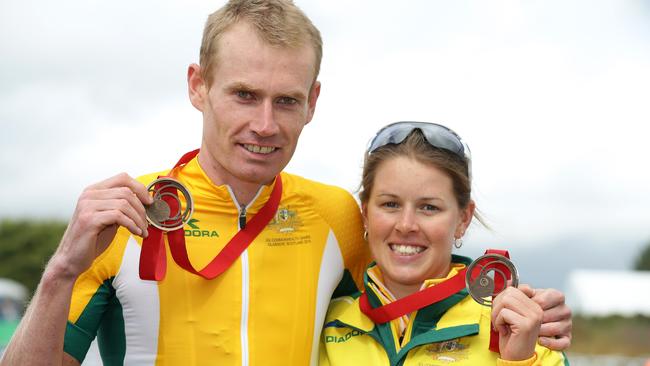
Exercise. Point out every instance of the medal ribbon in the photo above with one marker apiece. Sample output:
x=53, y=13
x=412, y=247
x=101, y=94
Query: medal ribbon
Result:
x=413, y=302
x=153, y=260
x=499, y=282
x=433, y=294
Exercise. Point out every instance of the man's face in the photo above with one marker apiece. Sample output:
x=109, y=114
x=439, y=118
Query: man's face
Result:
x=260, y=99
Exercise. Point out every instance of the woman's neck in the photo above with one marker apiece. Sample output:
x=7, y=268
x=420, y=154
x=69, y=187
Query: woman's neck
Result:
x=401, y=290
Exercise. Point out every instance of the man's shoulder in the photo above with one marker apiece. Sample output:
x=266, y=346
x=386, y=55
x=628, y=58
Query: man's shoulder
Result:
x=317, y=190
x=150, y=177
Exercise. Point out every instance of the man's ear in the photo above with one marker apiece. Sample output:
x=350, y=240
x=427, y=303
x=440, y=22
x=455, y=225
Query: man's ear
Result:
x=196, y=86
x=314, y=92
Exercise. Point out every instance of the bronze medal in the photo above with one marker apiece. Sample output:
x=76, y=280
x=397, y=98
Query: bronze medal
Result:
x=172, y=205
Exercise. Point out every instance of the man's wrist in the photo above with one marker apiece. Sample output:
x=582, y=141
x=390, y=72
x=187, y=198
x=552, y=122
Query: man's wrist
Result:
x=58, y=272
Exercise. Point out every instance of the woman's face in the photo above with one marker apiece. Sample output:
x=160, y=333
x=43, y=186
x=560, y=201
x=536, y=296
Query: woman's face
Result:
x=412, y=218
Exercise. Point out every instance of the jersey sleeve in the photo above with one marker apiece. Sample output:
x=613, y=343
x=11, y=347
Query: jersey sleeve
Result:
x=92, y=296
x=344, y=217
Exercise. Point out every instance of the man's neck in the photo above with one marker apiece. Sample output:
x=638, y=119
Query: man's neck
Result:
x=244, y=191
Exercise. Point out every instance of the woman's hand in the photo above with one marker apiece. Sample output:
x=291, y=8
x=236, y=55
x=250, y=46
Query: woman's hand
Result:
x=517, y=318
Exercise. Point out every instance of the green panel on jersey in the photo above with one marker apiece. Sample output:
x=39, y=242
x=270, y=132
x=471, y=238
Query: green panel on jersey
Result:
x=346, y=286
x=111, y=336
x=101, y=309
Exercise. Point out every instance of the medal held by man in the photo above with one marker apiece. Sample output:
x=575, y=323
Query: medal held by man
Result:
x=168, y=211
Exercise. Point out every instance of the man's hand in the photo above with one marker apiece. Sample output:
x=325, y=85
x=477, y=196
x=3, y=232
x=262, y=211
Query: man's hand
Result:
x=101, y=208
x=555, y=332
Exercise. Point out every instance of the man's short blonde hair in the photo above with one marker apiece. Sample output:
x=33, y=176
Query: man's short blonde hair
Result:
x=277, y=22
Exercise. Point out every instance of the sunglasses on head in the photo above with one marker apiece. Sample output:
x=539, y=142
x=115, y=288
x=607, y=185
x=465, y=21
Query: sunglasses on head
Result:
x=436, y=135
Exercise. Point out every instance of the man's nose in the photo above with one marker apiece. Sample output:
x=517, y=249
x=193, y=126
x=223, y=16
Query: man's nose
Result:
x=264, y=123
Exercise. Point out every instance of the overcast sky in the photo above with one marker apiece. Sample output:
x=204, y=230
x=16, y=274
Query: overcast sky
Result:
x=551, y=96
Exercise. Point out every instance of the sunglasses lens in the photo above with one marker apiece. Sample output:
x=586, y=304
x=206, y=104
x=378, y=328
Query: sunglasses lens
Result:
x=392, y=134
x=437, y=135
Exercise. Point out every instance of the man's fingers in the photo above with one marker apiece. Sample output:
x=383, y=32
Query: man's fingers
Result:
x=562, y=328
x=548, y=298
x=124, y=180
x=560, y=313
x=557, y=344
x=121, y=198
x=111, y=217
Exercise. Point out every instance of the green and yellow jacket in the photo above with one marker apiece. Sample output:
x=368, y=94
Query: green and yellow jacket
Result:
x=452, y=332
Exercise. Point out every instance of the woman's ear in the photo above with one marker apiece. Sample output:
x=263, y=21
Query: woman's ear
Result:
x=466, y=216
x=364, y=215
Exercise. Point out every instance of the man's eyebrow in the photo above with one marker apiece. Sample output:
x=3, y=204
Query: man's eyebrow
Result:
x=240, y=85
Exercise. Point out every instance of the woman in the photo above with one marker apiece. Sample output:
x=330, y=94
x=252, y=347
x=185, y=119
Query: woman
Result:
x=416, y=205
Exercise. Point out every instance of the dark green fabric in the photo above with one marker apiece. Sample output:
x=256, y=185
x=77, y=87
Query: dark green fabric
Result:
x=99, y=316
x=111, y=336
x=346, y=286
x=77, y=341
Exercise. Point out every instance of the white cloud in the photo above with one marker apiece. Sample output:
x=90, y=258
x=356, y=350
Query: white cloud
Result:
x=551, y=97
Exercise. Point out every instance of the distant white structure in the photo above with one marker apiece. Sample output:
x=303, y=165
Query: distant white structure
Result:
x=605, y=292
x=12, y=290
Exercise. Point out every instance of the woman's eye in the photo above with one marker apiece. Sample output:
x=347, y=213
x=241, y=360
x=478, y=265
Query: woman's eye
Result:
x=390, y=204
x=429, y=208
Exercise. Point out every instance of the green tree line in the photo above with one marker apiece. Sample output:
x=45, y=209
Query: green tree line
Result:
x=643, y=260
x=25, y=247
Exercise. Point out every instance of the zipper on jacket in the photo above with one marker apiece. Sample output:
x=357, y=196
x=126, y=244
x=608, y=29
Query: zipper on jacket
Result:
x=245, y=278
x=242, y=218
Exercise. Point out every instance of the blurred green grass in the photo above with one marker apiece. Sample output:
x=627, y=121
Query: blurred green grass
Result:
x=629, y=336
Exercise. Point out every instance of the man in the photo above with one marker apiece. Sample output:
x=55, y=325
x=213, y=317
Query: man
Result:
x=257, y=87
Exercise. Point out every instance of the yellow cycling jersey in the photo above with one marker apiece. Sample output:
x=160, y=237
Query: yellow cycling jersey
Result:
x=454, y=331
x=266, y=309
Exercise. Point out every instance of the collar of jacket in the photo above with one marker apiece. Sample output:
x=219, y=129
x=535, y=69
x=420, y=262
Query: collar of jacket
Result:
x=445, y=320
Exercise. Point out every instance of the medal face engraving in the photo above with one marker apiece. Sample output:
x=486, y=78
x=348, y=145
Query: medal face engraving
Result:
x=483, y=274
x=172, y=205
x=158, y=211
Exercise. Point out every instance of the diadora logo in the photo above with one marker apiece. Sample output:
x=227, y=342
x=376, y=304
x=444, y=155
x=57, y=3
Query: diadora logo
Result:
x=346, y=337
x=196, y=230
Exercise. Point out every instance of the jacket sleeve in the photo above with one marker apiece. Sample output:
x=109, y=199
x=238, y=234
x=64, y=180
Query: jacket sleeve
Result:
x=342, y=213
x=92, y=296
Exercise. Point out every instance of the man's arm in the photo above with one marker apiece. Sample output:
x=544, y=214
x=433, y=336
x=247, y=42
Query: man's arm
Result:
x=40, y=338
x=100, y=209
